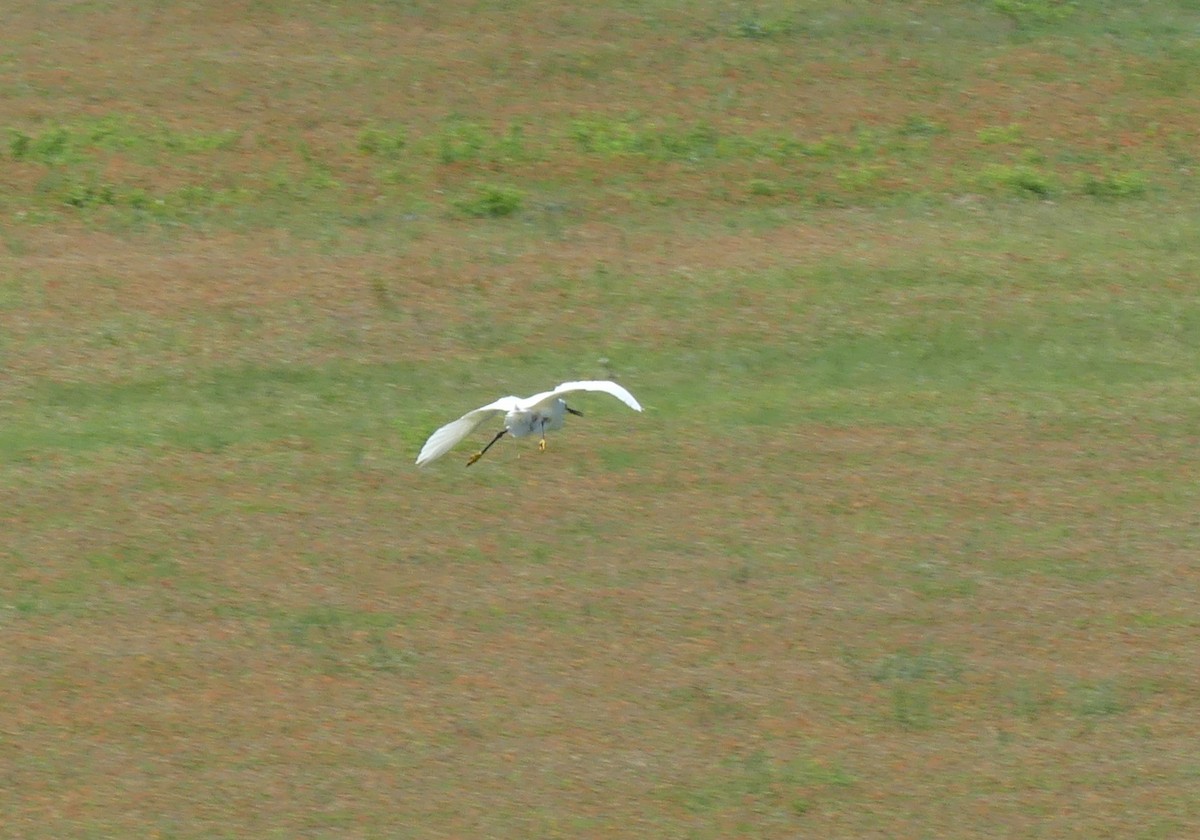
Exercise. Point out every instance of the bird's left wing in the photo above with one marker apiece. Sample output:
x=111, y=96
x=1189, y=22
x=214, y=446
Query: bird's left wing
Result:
x=598, y=385
x=448, y=436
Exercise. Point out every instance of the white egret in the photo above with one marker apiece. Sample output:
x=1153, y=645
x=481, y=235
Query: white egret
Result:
x=540, y=413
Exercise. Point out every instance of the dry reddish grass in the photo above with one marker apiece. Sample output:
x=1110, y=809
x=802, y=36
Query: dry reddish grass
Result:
x=500, y=696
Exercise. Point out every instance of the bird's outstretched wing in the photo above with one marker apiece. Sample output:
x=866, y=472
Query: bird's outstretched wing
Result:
x=448, y=436
x=597, y=385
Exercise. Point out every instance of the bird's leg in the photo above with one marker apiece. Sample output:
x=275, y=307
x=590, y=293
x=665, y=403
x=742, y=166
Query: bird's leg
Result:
x=479, y=454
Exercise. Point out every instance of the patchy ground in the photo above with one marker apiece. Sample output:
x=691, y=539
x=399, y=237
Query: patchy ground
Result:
x=903, y=546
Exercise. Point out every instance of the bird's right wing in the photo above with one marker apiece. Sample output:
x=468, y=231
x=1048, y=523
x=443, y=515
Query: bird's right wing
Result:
x=449, y=436
x=602, y=385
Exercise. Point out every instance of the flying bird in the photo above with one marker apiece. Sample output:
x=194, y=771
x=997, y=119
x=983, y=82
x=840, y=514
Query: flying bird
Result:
x=537, y=414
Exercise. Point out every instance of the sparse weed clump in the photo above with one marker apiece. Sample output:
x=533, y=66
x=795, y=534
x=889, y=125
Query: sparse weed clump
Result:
x=491, y=201
x=383, y=142
x=1115, y=185
x=763, y=187
x=1032, y=14
x=1018, y=179
x=612, y=137
x=87, y=195
x=462, y=142
x=84, y=140
x=999, y=134
x=50, y=148
x=758, y=28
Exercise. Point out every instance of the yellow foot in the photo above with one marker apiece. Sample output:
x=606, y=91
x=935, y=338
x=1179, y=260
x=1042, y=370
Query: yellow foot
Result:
x=542, y=445
x=474, y=458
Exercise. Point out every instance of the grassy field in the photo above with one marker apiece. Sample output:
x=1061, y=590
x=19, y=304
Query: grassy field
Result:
x=904, y=546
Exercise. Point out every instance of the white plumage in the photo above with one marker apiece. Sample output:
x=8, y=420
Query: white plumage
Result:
x=540, y=413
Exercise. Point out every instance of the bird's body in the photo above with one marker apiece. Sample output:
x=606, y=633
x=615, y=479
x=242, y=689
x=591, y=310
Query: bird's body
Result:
x=541, y=413
x=544, y=417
